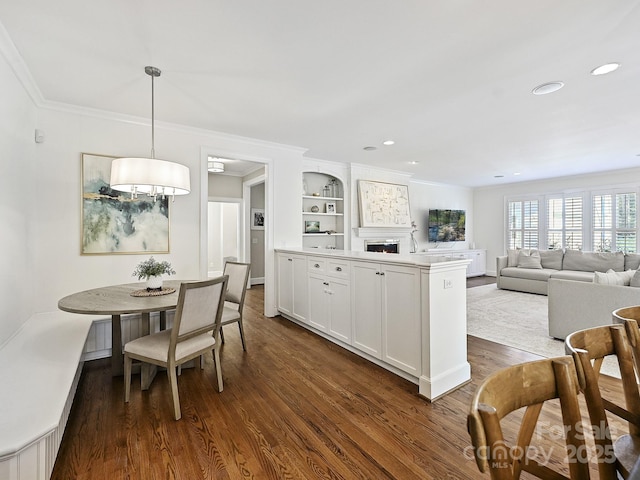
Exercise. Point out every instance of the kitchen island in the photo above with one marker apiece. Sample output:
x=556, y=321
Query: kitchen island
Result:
x=406, y=313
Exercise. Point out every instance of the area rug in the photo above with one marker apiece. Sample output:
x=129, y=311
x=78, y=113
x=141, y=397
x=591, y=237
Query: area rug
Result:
x=516, y=319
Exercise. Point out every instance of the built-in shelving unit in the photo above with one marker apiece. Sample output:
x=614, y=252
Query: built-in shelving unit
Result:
x=322, y=211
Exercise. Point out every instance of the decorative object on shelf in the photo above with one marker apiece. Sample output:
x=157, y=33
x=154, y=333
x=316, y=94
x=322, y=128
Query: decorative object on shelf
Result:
x=152, y=271
x=330, y=232
x=311, y=226
x=331, y=207
x=333, y=188
x=383, y=204
x=108, y=217
x=257, y=219
x=325, y=191
x=413, y=248
x=149, y=175
x=315, y=209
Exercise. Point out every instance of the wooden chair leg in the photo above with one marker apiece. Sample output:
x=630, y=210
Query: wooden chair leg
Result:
x=221, y=335
x=244, y=346
x=127, y=377
x=216, y=361
x=201, y=362
x=173, y=382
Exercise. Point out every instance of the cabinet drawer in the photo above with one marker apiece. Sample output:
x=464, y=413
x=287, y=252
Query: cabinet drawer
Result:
x=316, y=264
x=339, y=268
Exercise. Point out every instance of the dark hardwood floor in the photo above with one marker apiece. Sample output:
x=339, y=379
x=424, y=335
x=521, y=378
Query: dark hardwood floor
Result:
x=294, y=406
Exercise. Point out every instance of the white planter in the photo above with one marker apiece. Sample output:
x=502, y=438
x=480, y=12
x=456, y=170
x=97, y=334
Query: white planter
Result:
x=154, y=283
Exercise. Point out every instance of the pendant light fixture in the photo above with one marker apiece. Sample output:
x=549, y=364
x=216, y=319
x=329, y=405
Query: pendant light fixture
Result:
x=150, y=175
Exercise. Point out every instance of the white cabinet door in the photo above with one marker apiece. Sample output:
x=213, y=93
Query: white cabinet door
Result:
x=478, y=265
x=401, y=326
x=285, y=283
x=319, y=302
x=365, y=308
x=300, y=290
x=339, y=292
x=292, y=285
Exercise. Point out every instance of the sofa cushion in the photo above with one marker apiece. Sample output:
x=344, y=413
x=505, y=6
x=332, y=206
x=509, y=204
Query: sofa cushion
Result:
x=593, y=261
x=529, y=259
x=635, y=280
x=541, y=274
x=512, y=257
x=611, y=277
x=552, y=259
x=632, y=261
x=573, y=275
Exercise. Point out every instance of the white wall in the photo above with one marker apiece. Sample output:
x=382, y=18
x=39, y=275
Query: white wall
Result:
x=489, y=204
x=60, y=267
x=424, y=196
x=19, y=196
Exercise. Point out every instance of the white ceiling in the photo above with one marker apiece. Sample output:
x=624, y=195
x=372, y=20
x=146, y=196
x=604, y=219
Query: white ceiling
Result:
x=449, y=81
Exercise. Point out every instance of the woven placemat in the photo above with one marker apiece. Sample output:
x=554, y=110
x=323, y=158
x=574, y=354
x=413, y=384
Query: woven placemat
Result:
x=152, y=293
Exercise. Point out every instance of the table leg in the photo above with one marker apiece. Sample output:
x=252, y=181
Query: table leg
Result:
x=163, y=320
x=117, y=359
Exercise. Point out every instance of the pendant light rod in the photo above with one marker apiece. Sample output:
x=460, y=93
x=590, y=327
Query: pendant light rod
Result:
x=149, y=175
x=153, y=72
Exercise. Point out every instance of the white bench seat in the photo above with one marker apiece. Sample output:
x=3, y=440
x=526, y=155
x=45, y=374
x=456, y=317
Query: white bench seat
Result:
x=39, y=371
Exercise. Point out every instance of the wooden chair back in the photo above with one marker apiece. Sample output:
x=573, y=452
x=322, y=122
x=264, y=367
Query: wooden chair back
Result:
x=238, y=274
x=528, y=385
x=199, y=309
x=589, y=348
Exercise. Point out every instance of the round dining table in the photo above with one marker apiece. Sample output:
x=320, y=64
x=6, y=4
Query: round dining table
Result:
x=117, y=300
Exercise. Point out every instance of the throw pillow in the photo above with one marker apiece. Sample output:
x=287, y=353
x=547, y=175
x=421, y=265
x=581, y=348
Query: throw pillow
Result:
x=635, y=280
x=529, y=259
x=512, y=257
x=611, y=277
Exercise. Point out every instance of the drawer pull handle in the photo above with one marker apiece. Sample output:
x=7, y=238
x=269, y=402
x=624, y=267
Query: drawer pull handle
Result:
x=317, y=265
x=338, y=269
x=381, y=273
x=290, y=259
x=325, y=283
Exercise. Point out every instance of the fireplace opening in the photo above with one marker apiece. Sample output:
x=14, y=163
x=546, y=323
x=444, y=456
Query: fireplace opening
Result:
x=382, y=246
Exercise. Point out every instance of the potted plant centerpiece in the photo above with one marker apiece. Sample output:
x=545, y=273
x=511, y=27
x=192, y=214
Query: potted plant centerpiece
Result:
x=152, y=271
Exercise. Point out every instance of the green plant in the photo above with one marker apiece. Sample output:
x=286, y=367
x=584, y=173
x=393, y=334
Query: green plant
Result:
x=152, y=268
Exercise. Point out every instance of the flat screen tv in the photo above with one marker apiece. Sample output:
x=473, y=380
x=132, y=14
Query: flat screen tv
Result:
x=446, y=225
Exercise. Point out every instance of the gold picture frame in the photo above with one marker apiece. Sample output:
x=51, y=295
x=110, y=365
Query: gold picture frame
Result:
x=113, y=223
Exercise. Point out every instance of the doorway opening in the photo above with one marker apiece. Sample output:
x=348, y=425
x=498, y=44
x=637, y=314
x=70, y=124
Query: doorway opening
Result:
x=224, y=235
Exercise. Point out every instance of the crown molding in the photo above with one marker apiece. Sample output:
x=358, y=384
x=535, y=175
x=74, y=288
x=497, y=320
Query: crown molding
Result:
x=10, y=53
x=20, y=69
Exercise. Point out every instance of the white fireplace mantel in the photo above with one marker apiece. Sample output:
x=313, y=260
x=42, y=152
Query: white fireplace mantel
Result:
x=382, y=232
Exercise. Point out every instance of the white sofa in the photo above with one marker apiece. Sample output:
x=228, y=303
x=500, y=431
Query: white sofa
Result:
x=579, y=305
x=524, y=276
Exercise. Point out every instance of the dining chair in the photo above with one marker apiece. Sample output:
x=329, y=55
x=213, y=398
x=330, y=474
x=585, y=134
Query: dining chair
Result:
x=238, y=274
x=195, y=331
x=528, y=385
x=589, y=348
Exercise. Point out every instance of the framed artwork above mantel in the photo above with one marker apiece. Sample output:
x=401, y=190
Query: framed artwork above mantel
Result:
x=383, y=204
x=114, y=223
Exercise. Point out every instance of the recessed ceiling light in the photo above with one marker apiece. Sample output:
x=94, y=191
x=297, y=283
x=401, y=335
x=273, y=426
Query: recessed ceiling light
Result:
x=606, y=68
x=498, y=176
x=413, y=162
x=388, y=142
x=546, y=88
x=516, y=173
x=369, y=148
